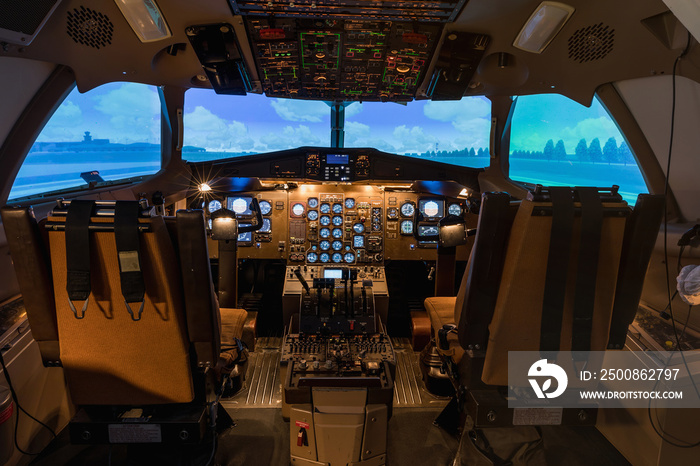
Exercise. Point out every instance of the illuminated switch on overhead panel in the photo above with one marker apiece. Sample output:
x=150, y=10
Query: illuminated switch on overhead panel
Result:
x=377, y=55
x=350, y=54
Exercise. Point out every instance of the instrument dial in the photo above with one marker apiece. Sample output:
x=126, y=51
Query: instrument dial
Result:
x=214, y=205
x=325, y=245
x=358, y=228
x=337, y=245
x=337, y=220
x=312, y=215
x=325, y=220
x=312, y=202
x=431, y=209
x=337, y=208
x=337, y=233
x=297, y=209
x=407, y=227
x=312, y=257
x=454, y=209
x=337, y=257
x=325, y=257
x=240, y=205
x=407, y=209
x=325, y=232
x=349, y=257
x=265, y=207
x=392, y=212
x=349, y=203
x=325, y=208
x=266, y=226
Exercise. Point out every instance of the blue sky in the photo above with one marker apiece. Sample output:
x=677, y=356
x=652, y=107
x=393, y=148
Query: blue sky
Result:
x=126, y=113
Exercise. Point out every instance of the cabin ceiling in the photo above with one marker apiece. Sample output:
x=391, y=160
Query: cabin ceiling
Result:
x=574, y=64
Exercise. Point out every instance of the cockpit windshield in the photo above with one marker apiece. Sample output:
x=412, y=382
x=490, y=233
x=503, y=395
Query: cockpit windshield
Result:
x=217, y=126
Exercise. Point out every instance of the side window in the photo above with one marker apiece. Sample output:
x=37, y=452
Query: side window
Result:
x=109, y=133
x=558, y=142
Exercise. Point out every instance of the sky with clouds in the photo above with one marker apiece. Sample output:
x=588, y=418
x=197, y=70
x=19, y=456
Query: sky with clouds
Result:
x=126, y=113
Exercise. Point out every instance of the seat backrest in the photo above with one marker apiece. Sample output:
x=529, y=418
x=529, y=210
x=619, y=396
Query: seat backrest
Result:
x=559, y=276
x=110, y=355
x=476, y=298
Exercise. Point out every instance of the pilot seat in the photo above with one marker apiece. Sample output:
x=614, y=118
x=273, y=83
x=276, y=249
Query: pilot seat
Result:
x=561, y=270
x=124, y=301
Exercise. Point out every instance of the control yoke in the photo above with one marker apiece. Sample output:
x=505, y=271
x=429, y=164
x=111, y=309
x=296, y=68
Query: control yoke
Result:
x=254, y=207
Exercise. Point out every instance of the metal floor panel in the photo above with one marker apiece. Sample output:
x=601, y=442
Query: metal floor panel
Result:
x=409, y=388
x=262, y=387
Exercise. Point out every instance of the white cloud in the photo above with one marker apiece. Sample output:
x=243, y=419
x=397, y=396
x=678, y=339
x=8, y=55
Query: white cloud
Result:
x=352, y=110
x=413, y=139
x=465, y=109
x=290, y=137
x=204, y=129
x=589, y=129
x=134, y=114
x=66, y=124
x=301, y=110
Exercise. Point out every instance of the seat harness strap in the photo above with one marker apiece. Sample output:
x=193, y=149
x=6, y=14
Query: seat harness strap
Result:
x=557, y=268
x=126, y=235
x=78, y=254
x=589, y=252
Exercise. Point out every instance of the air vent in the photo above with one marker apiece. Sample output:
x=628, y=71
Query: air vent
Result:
x=89, y=27
x=591, y=43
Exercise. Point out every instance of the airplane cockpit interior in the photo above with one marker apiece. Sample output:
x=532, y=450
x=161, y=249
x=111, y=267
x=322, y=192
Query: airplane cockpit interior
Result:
x=349, y=232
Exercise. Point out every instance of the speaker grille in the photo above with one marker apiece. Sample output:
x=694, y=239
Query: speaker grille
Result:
x=89, y=27
x=591, y=43
x=23, y=16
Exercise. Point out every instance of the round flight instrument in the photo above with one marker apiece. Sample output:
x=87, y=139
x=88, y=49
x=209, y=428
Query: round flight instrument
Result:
x=240, y=205
x=312, y=202
x=358, y=228
x=407, y=209
x=265, y=207
x=337, y=208
x=325, y=232
x=392, y=212
x=349, y=257
x=349, y=203
x=312, y=257
x=325, y=245
x=325, y=257
x=312, y=215
x=337, y=233
x=214, y=205
x=337, y=245
x=337, y=220
x=297, y=209
x=431, y=209
x=325, y=208
x=454, y=209
x=337, y=257
x=325, y=220
x=407, y=227
x=266, y=226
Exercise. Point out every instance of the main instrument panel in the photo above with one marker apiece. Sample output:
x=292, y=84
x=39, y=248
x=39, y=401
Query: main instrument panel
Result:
x=339, y=224
x=322, y=206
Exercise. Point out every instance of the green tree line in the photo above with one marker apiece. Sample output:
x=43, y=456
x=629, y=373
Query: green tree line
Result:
x=609, y=153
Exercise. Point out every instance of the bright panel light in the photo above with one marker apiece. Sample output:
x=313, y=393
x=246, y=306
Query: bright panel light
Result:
x=543, y=26
x=145, y=19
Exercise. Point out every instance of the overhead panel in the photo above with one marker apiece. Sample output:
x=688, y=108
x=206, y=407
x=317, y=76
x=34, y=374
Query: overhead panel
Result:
x=344, y=50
